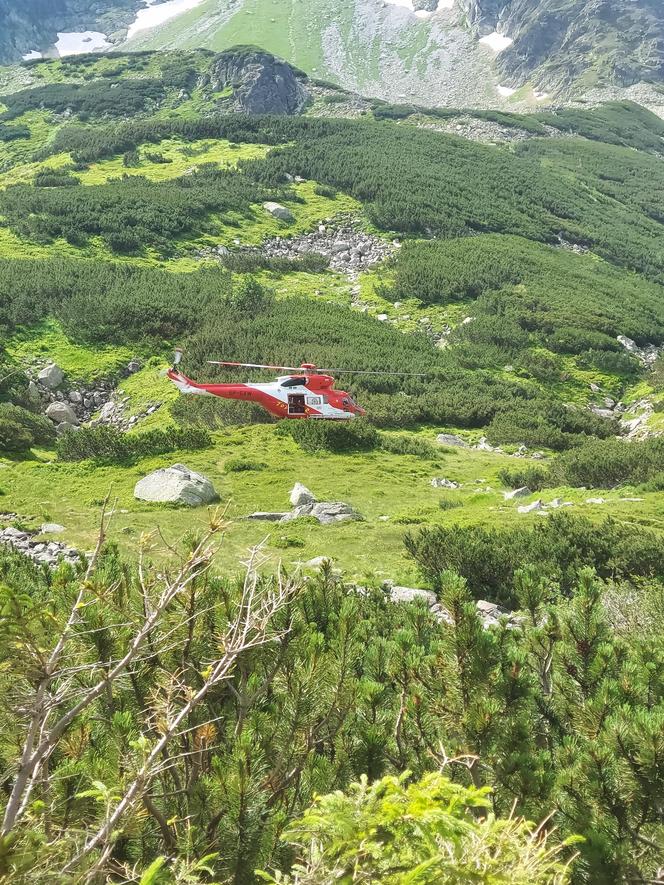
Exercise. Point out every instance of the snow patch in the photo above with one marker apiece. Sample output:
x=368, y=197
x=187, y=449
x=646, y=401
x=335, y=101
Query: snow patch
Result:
x=78, y=42
x=32, y=54
x=153, y=15
x=408, y=4
x=496, y=41
x=505, y=91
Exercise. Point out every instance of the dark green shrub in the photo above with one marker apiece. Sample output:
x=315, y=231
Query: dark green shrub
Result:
x=559, y=547
x=21, y=429
x=400, y=444
x=331, y=436
x=108, y=445
x=534, y=476
x=610, y=462
x=324, y=190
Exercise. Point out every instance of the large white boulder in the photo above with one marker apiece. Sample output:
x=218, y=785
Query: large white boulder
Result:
x=51, y=376
x=276, y=210
x=175, y=485
x=451, y=439
x=531, y=508
x=61, y=413
x=300, y=495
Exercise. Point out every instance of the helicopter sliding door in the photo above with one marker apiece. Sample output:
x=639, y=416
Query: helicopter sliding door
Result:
x=296, y=404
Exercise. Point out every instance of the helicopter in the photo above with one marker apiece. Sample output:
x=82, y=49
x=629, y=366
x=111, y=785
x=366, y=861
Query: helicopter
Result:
x=306, y=392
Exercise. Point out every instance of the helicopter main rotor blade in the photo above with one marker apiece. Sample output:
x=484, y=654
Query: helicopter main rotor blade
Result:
x=256, y=366
x=362, y=372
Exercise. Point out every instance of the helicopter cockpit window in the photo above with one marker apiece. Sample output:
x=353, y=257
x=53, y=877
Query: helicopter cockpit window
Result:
x=293, y=382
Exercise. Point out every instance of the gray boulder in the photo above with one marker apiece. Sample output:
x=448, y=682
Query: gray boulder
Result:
x=326, y=512
x=412, y=594
x=267, y=516
x=276, y=210
x=450, y=439
x=176, y=485
x=439, y=483
x=336, y=511
x=300, y=495
x=60, y=413
x=51, y=528
x=51, y=376
x=530, y=508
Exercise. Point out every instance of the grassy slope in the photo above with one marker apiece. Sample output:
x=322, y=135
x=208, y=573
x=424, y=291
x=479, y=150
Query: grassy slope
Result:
x=378, y=484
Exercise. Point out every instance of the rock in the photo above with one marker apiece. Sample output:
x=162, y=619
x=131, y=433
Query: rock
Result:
x=317, y=561
x=523, y=492
x=602, y=413
x=75, y=397
x=33, y=392
x=60, y=412
x=51, y=376
x=107, y=411
x=485, y=446
x=444, y=484
x=260, y=82
x=177, y=484
x=267, y=516
x=134, y=366
x=336, y=511
x=276, y=210
x=51, y=528
x=595, y=387
x=382, y=317
x=530, y=508
x=595, y=501
x=628, y=343
x=412, y=594
x=301, y=495
x=450, y=439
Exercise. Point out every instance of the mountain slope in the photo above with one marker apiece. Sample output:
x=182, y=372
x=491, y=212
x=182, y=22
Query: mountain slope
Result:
x=376, y=48
x=575, y=43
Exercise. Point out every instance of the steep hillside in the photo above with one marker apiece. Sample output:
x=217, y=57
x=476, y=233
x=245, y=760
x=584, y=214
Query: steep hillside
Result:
x=468, y=578
x=575, y=44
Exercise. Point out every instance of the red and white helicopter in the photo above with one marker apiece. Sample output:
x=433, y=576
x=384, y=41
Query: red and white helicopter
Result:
x=306, y=392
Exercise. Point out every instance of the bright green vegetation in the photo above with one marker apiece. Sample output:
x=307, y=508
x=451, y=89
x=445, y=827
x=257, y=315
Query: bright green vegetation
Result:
x=430, y=825
x=102, y=226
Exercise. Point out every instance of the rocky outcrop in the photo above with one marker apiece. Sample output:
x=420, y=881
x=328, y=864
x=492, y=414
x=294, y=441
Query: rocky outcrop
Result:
x=177, y=484
x=72, y=403
x=554, y=45
x=451, y=439
x=345, y=248
x=34, y=24
x=305, y=503
x=489, y=613
x=260, y=82
x=49, y=553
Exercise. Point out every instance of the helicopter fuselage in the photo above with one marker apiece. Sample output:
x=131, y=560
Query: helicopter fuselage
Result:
x=289, y=396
